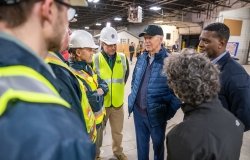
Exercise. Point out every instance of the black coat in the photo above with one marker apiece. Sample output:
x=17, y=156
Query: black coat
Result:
x=208, y=132
x=235, y=89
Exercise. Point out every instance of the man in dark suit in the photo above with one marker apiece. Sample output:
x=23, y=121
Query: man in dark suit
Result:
x=235, y=82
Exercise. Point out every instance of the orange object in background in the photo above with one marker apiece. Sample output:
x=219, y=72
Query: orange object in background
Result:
x=123, y=48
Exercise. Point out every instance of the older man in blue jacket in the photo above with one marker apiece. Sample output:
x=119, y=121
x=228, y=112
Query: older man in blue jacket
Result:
x=151, y=100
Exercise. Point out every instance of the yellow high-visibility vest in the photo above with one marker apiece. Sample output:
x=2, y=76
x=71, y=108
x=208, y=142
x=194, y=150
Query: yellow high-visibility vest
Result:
x=88, y=114
x=36, y=89
x=93, y=83
x=114, y=78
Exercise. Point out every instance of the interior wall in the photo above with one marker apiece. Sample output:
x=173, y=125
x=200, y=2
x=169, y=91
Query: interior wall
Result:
x=243, y=38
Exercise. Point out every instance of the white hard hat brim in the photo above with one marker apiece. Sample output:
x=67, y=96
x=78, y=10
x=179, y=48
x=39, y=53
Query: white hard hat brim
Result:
x=79, y=3
x=92, y=46
x=108, y=42
x=95, y=46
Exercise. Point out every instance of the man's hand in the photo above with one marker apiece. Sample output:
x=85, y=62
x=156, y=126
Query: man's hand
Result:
x=100, y=91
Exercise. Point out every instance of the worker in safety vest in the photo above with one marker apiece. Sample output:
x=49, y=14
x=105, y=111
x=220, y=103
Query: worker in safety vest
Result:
x=72, y=89
x=35, y=122
x=113, y=68
x=81, y=51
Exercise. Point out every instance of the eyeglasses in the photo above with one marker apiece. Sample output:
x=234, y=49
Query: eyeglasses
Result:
x=71, y=11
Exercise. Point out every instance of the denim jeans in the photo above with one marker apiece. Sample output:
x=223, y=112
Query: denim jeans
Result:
x=143, y=133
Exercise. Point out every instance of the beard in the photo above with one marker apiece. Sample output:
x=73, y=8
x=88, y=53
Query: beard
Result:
x=55, y=42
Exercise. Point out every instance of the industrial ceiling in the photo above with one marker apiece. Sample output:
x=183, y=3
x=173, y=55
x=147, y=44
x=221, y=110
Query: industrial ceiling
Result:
x=106, y=10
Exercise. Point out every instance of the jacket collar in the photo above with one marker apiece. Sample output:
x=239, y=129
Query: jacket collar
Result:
x=223, y=60
x=188, y=109
x=161, y=54
x=17, y=53
x=81, y=65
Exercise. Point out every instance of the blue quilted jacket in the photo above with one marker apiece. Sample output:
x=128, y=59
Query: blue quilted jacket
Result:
x=162, y=104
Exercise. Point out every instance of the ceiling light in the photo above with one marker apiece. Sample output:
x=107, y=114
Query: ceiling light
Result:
x=108, y=24
x=87, y=27
x=98, y=24
x=95, y=1
x=117, y=18
x=155, y=8
x=90, y=0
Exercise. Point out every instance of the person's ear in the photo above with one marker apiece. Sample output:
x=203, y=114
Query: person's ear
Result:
x=78, y=52
x=161, y=38
x=222, y=43
x=46, y=10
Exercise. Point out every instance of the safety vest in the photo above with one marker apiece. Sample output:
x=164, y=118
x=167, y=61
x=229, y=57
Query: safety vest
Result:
x=93, y=83
x=114, y=78
x=88, y=114
x=25, y=84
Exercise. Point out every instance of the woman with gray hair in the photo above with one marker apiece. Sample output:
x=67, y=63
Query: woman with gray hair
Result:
x=208, y=131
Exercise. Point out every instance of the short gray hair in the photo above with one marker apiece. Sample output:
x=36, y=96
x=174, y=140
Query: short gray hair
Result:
x=192, y=76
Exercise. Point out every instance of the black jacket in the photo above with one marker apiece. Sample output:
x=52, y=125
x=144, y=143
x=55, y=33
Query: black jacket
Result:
x=235, y=89
x=208, y=132
x=68, y=87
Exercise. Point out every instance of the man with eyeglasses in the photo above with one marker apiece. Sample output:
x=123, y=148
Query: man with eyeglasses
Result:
x=35, y=122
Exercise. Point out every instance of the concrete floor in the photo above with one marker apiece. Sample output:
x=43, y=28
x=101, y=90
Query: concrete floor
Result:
x=129, y=140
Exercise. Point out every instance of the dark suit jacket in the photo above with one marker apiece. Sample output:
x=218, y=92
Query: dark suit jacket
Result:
x=235, y=89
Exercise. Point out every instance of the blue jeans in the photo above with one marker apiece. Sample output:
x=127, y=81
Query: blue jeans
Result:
x=143, y=132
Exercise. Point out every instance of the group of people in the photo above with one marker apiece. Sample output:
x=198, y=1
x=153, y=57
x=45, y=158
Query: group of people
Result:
x=211, y=88
x=53, y=110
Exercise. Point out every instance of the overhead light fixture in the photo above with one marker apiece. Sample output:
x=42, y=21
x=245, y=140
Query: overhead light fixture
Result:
x=98, y=24
x=155, y=8
x=160, y=21
x=94, y=1
x=117, y=18
x=108, y=24
x=87, y=27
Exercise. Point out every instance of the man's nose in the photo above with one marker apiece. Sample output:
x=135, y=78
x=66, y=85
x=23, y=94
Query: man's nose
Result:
x=201, y=44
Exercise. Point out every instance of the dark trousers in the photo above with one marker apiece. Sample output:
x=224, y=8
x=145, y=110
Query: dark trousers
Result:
x=131, y=56
x=143, y=133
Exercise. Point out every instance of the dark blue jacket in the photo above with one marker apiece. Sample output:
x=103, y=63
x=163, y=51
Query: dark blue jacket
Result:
x=235, y=89
x=39, y=131
x=68, y=86
x=162, y=104
x=95, y=100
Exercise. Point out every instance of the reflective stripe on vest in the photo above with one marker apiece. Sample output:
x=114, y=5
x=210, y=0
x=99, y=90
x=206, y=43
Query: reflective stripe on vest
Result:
x=90, y=80
x=114, y=78
x=88, y=114
x=25, y=84
x=93, y=83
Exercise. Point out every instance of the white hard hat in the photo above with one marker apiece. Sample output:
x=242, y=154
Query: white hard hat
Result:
x=109, y=36
x=81, y=39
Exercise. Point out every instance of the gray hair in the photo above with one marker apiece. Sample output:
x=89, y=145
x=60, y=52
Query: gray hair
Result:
x=192, y=76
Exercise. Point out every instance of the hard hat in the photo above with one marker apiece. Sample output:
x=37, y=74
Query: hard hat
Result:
x=81, y=39
x=109, y=36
